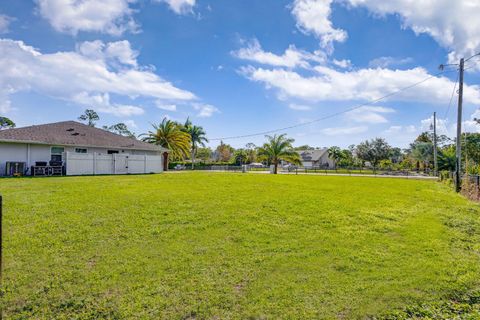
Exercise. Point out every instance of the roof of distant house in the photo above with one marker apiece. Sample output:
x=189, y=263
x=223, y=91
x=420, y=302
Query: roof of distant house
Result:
x=72, y=133
x=312, y=155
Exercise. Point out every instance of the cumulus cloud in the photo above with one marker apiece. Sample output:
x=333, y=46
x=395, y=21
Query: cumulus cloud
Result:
x=313, y=16
x=205, y=110
x=88, y=76
x=5, y=23
x=327, y=84
x=369, y=114
x=112, y=17
x=180, y=6
x=167, y=107
x=385, y=62
x=344, y=130
x=291, y=58
x=453, y=24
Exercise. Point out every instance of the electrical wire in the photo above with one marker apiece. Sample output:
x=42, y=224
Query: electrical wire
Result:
x=451, y=98
x=336, y=113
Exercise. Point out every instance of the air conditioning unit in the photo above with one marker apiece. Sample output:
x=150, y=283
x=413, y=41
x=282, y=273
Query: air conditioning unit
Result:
x=15, y=168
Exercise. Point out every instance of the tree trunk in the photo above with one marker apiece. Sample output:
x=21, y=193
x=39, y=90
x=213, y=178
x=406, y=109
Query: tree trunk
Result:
x=275, y=168
x=165, y=161
x=193, y=158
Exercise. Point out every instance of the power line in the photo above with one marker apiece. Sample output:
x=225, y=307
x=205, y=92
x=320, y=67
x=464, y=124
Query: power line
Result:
x=336, y=113
x=451, y=98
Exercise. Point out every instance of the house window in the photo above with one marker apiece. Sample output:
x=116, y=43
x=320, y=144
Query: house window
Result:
x=81, y=150
x=56, y=154
x=112, y=151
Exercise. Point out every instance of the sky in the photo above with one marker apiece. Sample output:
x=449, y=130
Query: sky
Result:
x=244, y=67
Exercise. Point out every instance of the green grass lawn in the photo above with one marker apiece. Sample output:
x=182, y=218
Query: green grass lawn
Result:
x=234, y=246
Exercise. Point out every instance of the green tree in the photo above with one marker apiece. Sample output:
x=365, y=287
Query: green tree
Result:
x=423, y=152
x=336, y=154
x=447, y=158
x=121, y=129
x=197, y=138
x=240, y=156
x=168, y=134
x=90, y=116
x=205, y=154
x=251, y=150
x=373, y=151
x=278, y=148
x=224, y=152
x=6, y=123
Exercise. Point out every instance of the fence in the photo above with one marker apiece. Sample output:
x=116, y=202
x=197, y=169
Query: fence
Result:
x=92, y=163
x=471, y=186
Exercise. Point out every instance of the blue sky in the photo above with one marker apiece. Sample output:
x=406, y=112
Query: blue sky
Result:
x=242, y=66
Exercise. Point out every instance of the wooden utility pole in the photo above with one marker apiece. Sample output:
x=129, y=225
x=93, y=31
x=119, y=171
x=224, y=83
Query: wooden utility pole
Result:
x=435, y=155
x=458, y=162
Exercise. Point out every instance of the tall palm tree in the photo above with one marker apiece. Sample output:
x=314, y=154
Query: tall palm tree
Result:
x=278, y=148
x=197, y=138
x=336, y=154
x=169, y=134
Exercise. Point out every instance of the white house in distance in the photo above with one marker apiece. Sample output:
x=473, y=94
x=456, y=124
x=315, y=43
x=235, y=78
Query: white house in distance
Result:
x=73, y=148
x=316, y=158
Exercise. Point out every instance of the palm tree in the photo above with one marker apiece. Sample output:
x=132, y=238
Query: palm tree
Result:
x=197, y=138
x=278, y=148
x=336, y=154
x=169, y=134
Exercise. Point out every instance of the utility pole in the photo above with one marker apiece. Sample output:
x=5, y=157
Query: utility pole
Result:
x=435, y=157
x=458, y=162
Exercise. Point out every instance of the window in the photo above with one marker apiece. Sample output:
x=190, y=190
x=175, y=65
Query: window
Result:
x=56, y=154
x=112, y=151
x=81, y=150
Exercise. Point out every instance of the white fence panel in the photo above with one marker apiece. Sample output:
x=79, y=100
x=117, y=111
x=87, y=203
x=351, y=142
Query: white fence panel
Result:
x=90, y=164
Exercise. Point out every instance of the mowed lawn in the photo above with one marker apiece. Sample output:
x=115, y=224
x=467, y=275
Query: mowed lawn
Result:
x=233, y=246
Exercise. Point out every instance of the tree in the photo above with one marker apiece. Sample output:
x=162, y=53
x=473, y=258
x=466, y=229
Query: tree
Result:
x=121, y=129
x=423, y=152
x=6, y=123
x=304, y=147
x=336, y=154
x=197, y=138
x=251, y=150
x=447, y=158
x=240, y=156
x=90, y=116
x=373, y=151
x=223, y=152
x=278, y=148
x=205, y=154
x=168, y=134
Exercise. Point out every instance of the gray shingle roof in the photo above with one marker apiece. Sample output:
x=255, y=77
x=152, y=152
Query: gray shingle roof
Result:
x=72, y=133
x=312, y=155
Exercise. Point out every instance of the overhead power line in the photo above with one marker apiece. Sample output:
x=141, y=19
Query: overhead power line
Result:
x=451, y=98
x=332, y=115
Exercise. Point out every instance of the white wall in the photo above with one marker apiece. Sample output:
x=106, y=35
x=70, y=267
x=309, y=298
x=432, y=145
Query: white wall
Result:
x=92, y=163
x=31, y=153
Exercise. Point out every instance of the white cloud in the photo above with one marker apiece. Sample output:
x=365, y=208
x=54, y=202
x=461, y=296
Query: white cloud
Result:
x=5, y=23
x=205, y=110
x=113, y=52
x=369, y=114
x=292, y=57
x=313, y=16
x=327, y=84
x=131, y=124
x=344, y=130
x=385, y=62
x=396, y=130
x=180, y=6
x=167, y=107
x=87, y=80
x=342, y=63
x=299, y=107
x=453, y=24
x=442, y=125
x=107, y=16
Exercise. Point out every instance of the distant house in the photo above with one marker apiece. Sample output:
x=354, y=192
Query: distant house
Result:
x=73, y=148
x=316, y=158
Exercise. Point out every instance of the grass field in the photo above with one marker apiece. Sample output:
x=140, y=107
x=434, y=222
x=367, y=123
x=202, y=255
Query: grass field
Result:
x=236, y=246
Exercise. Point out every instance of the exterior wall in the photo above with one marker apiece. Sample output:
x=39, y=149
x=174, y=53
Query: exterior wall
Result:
x=31, y=153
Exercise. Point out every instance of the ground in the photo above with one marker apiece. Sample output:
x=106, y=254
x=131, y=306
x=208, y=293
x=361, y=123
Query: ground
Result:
x=234, y=246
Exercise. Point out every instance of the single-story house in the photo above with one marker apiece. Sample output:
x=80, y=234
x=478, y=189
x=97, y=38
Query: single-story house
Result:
x=316, y=158
x=73, y=148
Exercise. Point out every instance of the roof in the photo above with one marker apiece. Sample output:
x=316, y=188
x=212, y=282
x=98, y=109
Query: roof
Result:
x=72, y=133
x=312, y=155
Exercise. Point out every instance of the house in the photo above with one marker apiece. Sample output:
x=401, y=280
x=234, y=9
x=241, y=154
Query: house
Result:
x=316, y=158
x=73, y=148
